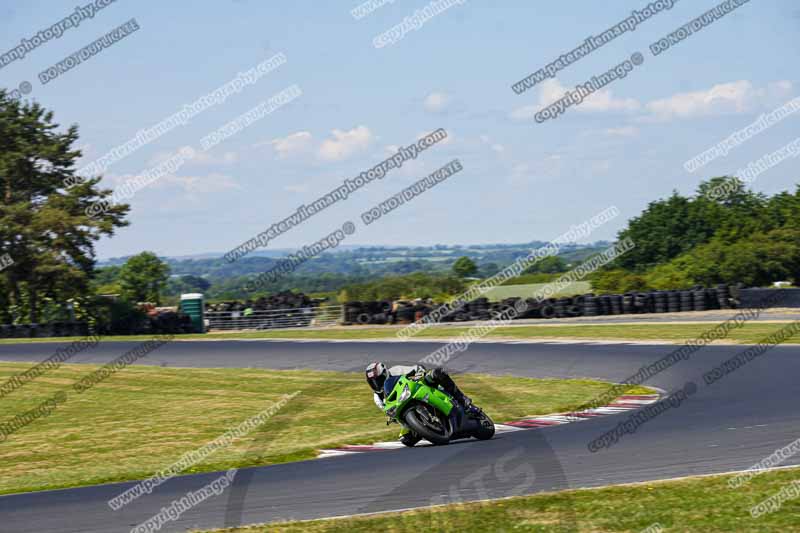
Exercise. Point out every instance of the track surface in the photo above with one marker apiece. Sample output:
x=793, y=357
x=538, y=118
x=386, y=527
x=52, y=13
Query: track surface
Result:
x=723, y=427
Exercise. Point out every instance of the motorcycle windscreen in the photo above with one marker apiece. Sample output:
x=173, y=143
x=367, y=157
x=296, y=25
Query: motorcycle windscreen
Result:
x=388, y=385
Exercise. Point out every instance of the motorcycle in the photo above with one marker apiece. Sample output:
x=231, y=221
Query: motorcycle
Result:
x=431, y=413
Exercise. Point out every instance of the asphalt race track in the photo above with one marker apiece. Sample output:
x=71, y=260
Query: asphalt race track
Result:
x=726, y=426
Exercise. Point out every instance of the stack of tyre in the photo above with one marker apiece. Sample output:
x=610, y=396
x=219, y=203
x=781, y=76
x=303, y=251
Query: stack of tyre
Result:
x=376, y=312
x=478, y=309
x=289, y=309
x=694, y=299
x=281, y=300
x=351, y=312
x=504, y=309
x=170, y=322
x=407, y=312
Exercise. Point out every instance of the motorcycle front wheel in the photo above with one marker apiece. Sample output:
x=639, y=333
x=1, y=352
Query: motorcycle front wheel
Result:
x=428, y=424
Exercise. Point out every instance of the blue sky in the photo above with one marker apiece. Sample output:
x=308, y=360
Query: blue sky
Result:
x=522, y=180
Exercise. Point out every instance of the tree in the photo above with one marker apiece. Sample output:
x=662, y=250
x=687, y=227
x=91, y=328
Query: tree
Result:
x=464, y=267
x=44, y=225
x=755, y=241
x=661, y=232
x=488, y=270
x=188, y=283
x=758, y=260
x=548, y=265
x=106, y=280
x=417, y=285
x=143, y=278
x=671, y=227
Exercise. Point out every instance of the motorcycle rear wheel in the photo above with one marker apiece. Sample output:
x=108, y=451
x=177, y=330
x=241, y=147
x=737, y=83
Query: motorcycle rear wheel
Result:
x=486, y=430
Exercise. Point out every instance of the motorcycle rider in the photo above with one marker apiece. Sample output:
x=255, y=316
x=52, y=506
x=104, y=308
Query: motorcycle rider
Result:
x=377, y=373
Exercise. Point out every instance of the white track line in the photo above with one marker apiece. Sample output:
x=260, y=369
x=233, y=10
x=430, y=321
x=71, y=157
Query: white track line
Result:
x=557, y=419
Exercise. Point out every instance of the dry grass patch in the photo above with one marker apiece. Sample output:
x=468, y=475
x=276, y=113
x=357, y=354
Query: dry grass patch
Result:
x=142, y=419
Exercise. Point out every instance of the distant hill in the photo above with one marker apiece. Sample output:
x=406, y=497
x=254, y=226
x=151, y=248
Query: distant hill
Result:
x=363, y=260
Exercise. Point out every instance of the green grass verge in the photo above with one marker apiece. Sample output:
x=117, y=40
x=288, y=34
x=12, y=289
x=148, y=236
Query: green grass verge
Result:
x=142, y=419
x=678, y=333
x=749, y=333
x=522, y=289
x=704, y=505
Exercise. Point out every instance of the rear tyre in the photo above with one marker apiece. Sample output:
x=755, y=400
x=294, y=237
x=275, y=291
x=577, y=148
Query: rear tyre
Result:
x=427, y=423
x=486, y=430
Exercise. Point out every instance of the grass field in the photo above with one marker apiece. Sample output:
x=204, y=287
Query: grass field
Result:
x=142, y=419
x=749, y=333
x=528, y=290
x=704, y=505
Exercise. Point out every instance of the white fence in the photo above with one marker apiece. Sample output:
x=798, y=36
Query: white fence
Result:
x=300, y=317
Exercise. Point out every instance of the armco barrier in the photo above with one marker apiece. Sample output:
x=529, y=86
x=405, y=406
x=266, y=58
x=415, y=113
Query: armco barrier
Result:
x=298, y=317
x=52, y=329
x=788, y=298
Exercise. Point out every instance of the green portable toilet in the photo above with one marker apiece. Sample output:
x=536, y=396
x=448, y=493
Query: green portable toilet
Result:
x=192, y=305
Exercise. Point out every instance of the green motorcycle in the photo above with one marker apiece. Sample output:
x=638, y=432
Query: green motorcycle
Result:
x=431, y=413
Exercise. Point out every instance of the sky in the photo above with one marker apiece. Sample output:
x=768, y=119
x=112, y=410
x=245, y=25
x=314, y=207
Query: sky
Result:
x=522, y=180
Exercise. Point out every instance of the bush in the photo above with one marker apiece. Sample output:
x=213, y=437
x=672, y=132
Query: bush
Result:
x=418, y=285
x=617, y=282
x=668, y=277
x=116, y=317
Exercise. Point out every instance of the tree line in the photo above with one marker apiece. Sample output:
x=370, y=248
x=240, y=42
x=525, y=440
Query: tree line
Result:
x=702, y=239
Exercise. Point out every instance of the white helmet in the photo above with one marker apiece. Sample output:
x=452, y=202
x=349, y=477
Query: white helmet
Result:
x=376, y=375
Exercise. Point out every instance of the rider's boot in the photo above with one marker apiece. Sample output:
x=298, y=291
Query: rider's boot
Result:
x=408, y=437
x=438, y=376
x=465, y=401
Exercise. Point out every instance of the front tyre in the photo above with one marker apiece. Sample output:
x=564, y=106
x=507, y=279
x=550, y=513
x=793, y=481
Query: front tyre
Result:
x=428, y=424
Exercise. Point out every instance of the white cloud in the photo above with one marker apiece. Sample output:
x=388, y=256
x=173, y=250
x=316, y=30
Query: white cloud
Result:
x=298, y=187
x=87, y=150
x=549, y=166
x=115, y=180
x=725, y=98
x=345, y=143
x=162, y=156
x=519, y=173
x=203, y=184
x=552, y=90
x=494, y=146
x=205, y=158
x=622, y=131
x=436, y=102
x=444, y=142
x=601, y=166
x=603, y=100
x=525, y=112
x=294, y=144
